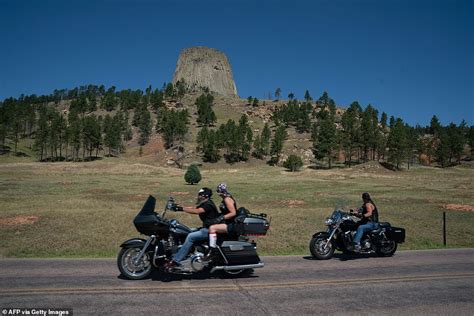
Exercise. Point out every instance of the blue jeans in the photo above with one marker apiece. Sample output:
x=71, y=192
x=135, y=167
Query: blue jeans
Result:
x=201, y=234
x=362, y=229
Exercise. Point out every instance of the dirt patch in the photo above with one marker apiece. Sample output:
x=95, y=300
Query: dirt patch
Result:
x=66, y=183
x=18, y=220
x=291, y=203
x=459, y=207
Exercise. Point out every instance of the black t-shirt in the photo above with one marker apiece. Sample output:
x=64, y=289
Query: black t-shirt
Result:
x=210, y=212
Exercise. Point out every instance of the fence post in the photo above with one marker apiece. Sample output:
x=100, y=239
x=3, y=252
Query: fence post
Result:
x=444, y=229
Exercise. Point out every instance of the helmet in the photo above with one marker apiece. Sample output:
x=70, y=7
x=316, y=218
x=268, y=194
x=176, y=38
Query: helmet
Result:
x=366, y=196
x=222, y=189
x=204, y=193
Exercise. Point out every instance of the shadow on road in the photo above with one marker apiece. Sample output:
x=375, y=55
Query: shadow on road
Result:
x=346, y=257
x=169, y=277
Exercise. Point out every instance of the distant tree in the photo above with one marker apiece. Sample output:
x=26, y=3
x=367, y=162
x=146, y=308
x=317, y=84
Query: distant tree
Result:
x=277, y=144
x=206, y=115
x=397, y=143
x=470, y=139
x=456, y=140
x=169, y=91
x=181, y=88
x=255, y=102
x=277, y=94
x=324, y=137
x=249, y=99
x=156, y=100
x=192, y=175
x=291, y=95
x=435, y=126
x=208, y=144
x=173, y=125
x=307, y=96
x=293, y=163
x=442, y=150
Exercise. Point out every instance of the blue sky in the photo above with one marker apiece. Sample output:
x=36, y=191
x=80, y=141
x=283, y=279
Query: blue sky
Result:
x=411, y=59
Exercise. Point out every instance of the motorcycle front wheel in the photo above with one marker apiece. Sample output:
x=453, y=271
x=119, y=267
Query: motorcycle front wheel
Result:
x=318, y=249
x=131, y=268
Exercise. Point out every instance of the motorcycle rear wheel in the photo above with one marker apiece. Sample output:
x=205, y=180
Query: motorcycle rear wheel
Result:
x=388, y=249
x=318, y=251
x=133, y=270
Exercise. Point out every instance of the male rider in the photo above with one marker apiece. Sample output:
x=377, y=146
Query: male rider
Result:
x=207, y=211
x=370, y=219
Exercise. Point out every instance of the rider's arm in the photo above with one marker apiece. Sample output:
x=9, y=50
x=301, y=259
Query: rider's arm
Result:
x=230, y=206
x=370, y=208
x=193, y=210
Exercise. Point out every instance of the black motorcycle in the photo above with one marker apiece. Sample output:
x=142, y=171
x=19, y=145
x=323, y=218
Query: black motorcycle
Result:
x=342, y=227
x=235, y=255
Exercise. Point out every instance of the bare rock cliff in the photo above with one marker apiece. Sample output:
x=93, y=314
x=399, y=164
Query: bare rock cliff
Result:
x=205, y=67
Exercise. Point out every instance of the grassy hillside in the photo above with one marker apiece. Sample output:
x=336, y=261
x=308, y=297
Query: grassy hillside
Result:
x=86, y=209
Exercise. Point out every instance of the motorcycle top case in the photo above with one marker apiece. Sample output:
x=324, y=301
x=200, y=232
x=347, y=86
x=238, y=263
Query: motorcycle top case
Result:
x=240, y=253
x=251, y=224
x=396, y=234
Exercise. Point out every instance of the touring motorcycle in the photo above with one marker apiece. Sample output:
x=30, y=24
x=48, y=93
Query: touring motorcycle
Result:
x=236, y=254
x=342, y=227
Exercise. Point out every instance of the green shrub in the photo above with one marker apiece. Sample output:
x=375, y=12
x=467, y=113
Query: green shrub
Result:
x=294, y=163
x=192, y=175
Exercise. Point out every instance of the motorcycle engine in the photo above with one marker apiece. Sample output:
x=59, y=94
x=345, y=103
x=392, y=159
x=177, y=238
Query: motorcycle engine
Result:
x=197, y=263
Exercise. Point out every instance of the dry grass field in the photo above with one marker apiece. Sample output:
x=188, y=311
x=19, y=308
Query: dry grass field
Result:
x=86, y=209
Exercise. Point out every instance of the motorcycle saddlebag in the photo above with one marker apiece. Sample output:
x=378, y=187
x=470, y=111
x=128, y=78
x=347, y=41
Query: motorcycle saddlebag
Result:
x=396, y=234
x=239, y=253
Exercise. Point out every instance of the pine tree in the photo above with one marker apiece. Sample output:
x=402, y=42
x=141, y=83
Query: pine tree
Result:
x=277, y=144
x=206, y=115
x=293, y=163
x=397, y=143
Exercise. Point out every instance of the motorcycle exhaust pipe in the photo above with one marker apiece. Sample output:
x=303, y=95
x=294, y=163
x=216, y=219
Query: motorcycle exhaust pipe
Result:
x=240, y=267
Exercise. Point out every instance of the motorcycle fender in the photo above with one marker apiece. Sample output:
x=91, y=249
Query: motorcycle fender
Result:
x=134, y=242
x=324, y=235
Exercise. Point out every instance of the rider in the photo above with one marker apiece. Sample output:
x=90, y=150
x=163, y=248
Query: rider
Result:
x=207, y=211
x=370, y=218
x=225, y=222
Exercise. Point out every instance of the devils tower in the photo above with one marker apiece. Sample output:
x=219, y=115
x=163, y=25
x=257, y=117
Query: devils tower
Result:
x=205, y=67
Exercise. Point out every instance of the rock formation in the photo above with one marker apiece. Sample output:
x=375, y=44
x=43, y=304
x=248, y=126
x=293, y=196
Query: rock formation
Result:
x=202, y=67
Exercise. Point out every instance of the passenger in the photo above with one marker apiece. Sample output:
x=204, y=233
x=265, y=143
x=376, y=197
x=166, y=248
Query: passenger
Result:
x=228, y=208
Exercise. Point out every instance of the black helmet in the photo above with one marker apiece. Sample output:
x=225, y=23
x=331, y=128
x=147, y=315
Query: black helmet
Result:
x=366, y=197
x=205, y=193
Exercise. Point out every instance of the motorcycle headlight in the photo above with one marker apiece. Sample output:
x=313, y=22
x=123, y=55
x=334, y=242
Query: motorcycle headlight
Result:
x=328, y=221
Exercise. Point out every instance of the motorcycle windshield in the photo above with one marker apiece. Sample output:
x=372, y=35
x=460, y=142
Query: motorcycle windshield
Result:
x=149, y=207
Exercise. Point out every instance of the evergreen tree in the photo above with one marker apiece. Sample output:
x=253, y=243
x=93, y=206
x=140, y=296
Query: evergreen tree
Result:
x=324, y=137
x=456, y=140
x=206, y=115
x=293, y=163
x=307, y=96
x=277, y=144
x=192, y=175
x=277, y=94
x=442, y=150
x=397, y=143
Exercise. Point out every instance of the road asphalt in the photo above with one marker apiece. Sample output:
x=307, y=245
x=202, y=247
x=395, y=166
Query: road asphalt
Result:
x=428, y=282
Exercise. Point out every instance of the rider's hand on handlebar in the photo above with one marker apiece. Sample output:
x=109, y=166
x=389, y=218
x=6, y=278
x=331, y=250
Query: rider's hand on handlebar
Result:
x=176, y=208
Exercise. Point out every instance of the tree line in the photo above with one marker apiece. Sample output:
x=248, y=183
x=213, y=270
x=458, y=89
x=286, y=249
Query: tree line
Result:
x=358, y=134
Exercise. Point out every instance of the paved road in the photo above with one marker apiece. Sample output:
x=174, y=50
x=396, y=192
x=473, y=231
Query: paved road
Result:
x=439, y=282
